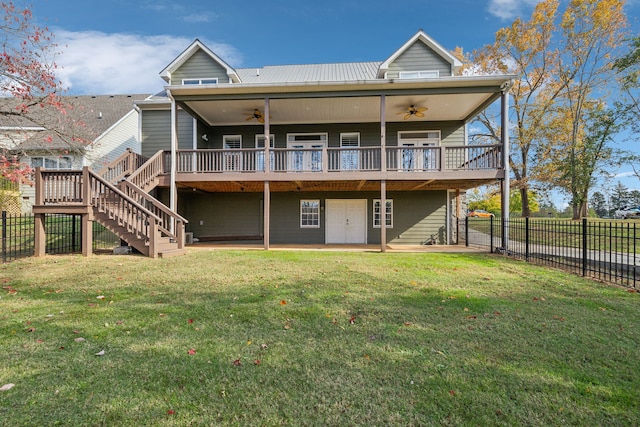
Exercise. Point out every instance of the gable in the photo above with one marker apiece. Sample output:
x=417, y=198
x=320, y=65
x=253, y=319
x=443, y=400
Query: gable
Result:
x=198, y=66
x=419, y=57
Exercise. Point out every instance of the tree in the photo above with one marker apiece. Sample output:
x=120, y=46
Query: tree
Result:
x=599, y=204
x=524, y=49
x=27, y=73
x=619, y=197
x=592, y=31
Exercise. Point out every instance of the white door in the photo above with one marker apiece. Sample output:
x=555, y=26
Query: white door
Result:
x=346, y=221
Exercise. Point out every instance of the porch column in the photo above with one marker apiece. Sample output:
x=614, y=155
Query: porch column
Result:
x=87, y=235
x=506, y=167
x=383, y=135
x=174, y=147
x=383, y=216
x=267, y=215
x=267, y=141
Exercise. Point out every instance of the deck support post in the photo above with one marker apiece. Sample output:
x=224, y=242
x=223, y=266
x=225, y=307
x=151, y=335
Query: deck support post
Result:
x=40, y=236
x=173, y=191
x=267, y=214
x=505, y=165
x=383, y=216
x=87, y=235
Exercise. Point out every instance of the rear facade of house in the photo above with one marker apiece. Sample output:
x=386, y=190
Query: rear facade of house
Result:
x=355, y=149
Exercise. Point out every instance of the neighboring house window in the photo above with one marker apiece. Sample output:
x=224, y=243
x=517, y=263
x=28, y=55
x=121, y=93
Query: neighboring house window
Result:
x=51, y=162
x=232, y=160
x=199, y=81
x=349, y=159
x=377, y=214
x=310, y=213
x=425, y=74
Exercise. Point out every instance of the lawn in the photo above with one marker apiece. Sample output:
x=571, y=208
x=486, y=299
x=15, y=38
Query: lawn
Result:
x=314, y=338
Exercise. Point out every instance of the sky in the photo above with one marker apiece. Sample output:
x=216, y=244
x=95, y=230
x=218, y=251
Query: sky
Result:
x=120, y=46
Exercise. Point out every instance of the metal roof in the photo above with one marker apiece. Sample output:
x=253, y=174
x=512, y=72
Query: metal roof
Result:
x=336, y=72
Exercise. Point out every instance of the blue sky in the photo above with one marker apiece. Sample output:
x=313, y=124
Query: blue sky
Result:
x=120, y=46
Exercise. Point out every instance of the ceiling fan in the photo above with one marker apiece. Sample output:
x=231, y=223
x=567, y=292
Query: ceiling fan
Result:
x=256, y=115
x=413, y=111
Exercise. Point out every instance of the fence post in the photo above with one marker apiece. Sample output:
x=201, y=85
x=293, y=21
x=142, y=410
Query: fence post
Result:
x=4, y=236
x=466, y=231
x=584, y=246
x=491, y=234
x=526, y=238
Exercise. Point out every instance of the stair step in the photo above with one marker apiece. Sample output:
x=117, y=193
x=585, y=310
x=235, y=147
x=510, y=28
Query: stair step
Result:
x=172, y=253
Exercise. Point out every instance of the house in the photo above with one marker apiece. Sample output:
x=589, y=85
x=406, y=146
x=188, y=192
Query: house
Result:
x=90, y=130
x=340, y=153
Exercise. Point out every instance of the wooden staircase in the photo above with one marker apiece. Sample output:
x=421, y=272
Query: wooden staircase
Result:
x=111, y=198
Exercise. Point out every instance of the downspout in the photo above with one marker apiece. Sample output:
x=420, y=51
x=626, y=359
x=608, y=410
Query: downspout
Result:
x=174, y=144
x=506, y=167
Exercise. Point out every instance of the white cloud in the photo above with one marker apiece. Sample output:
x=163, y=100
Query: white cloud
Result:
x=93, y=62
x=510, y=9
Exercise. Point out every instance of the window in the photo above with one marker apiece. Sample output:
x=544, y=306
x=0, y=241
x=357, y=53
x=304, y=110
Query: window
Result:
x=424, y=74
x=377, y=214
x=349, y=159
x=310, y=146
x=232, y=160
x=310, y=213
x=419, y=152
x=51, y=162
x=260, y=155
x=210, y=81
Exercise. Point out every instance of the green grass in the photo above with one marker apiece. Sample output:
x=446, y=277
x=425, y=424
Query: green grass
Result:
x=342, y=339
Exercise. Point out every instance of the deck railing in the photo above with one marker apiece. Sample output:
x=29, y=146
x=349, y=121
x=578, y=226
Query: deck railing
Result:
x=122, y=167
x=344, y=159
x=146, y=174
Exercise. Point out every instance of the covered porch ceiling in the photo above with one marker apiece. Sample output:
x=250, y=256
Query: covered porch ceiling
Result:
x=302, y=186
x=450, y=99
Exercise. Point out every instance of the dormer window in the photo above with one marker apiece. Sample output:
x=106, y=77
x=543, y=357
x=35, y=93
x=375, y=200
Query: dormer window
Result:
x=213, y=81
x=426, y=74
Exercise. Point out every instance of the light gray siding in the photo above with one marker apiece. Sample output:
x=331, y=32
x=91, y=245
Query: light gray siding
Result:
x=114, y=142
x=156, y=131
x=199, y=66
x=419, y=57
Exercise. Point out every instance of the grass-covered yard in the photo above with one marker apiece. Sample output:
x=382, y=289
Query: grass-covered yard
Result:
x=314, y=338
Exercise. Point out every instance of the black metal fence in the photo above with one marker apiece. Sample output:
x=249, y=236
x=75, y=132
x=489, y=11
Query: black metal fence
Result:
x=63, y=235
x=603, y=250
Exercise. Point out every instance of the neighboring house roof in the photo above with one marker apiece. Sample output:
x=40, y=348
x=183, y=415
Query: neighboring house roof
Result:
x=349, y=71
x=76, y=125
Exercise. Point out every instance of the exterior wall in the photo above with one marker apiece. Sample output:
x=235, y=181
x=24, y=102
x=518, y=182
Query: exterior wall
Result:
x=114, y=142
x=452, y=133
x=199, y=66
x=417, y=216
x=156, y=131
x=419, y=57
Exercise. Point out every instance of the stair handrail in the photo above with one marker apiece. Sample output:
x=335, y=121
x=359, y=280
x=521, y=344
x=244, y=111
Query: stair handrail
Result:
x=148, y=171
x=140, y=220
x=123, y=166
x=171, y=223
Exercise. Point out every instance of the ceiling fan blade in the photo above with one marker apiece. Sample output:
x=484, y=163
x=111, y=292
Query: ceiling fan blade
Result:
x=261, y=119
x=421, y=109
x=401, y=112
x=419, y=114
x=407, y=116
x=249, y=118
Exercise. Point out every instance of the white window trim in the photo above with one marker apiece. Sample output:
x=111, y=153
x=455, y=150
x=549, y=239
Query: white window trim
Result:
x=344, y=134
x=422, y=74
x=225, y=138
x=318, y=213
x=291, y=138
x=272, y=140
x=402, y=133
x=377, y=201
x=199, y=81
x=52, y=158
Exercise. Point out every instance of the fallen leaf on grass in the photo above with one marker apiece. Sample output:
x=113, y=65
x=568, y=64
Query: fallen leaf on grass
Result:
x=171, y=412
x=264, y=346
x=407, y=323
x=237, y=362
x=257, y=362
x=191, y=351
x=633, y=291
x=283, y=302
x=190, y=321
x=100, y=353
x=100, y=297
x=452, y=392
x=352, y=320
x=7, y=387
x=31, y=330
x=79, y=339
